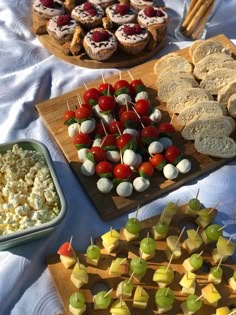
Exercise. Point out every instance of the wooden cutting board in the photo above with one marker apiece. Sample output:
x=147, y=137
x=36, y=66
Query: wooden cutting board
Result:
x=110, y=206
x=100, y=279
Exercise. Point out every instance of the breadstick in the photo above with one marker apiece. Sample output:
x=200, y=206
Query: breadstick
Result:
x=192, y=13
x=190, y=28
x=191, y=6
x=201, y=24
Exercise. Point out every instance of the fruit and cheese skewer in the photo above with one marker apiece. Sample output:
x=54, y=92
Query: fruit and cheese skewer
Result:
x=93, y=254
x=169, y=211
x=206, y=216
x=79, y=275
x=188, y=283
x=110, y=240
x=192, y=304
x=125, y=287
x=164, y=299
x=102, y=300
x=147, y=247
x=212, y=233
x=77, y=304
x=132, y=228
x=223, y=310
x=193, y=242
x=193, y=206
x=232, y=281
x=210, y=295
x=164, y=275
x=194, y=262
x=160, y=230
x=224, y=249
x=138, y=267
x=173, y=248
x=119, y=307
x=215, y=274
x=67, y=254
x=119, y=266
x=141, y=297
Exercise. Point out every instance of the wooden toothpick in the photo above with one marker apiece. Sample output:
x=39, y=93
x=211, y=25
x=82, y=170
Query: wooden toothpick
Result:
x=85, y=86
x=70, y=244
x=222, y=228
x=108, y=292
x=213, y=208
x=200, y=254
x=132, y=78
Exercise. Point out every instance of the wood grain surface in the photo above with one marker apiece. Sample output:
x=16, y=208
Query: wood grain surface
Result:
x=99, y=276
x=110, y=206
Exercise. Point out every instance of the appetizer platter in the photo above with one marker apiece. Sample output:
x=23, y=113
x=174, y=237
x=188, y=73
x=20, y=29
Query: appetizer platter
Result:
x=177, y=261
x=100, y=34
x=52, y=112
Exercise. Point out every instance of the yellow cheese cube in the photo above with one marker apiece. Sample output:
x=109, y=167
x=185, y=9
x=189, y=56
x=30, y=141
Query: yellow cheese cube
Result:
x=232, y=283
x=68, y=261
x=129, y=236
x=77, y=311
x=225, y=247
x=141, y=297
x=188, y=279
x=222, y=310
x=119, y=266
x=110, y=240
x=210, y=295
x=119, y=308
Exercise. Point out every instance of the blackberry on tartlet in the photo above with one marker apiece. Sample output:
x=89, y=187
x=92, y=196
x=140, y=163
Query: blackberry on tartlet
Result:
x=88, y=15
x=132, y=38
x=100, y=44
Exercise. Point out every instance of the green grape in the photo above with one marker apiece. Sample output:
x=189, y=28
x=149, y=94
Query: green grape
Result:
x=161, y=228
x=234, y=275
x=213, y=232
x=102, y=301
x=170, y=208
x=148, y=245
x=196, y=261
x=138, y=266
x=192, y=304
x=127, y=286
x=194, y=204
x=77, y=300
x=217, y=272
x=93, y=252
x=164, y=297
x=133, y=226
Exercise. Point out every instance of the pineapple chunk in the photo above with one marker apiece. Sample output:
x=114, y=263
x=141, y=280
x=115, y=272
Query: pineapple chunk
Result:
x=188, y=280
x=141, y=297
x=129, y=236
x=232, y=283
x=224, y=310
x=225, y=247
x=77, y=311
x=79, y=275
x=210, y=295
x=162, y=276
x=68, y=261
x=110, y=240
x=119, y=307
x=119, y=266
x=173, y=247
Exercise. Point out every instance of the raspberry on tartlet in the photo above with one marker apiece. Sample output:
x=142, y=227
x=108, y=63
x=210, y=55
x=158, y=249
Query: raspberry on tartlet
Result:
x=88, y=15
x=120, y=14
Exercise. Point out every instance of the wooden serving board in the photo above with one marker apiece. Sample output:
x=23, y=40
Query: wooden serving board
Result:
x=100, y=279
x=110, y=206
x=117, y=60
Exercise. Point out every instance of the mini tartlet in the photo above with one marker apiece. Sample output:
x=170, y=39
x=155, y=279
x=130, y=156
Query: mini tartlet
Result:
x=120, y=14
x=103, y=3
x=141, y=4
x=152, y=16
x=61, y=28
x=132, y=38
x=43, y=11
x=100, y=44
x=88, y=15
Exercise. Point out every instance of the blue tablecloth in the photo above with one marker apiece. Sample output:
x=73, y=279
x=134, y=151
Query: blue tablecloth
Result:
x=30, y=74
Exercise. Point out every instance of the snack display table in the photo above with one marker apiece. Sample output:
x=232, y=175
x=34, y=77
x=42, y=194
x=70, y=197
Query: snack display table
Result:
x=29, y=74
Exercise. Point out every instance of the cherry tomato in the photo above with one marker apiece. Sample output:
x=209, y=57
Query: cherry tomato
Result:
x=122, y=171
x=146, y=121
x=122, y=87
x=98, y=154
x=115, y=127
x=83, y=113
x=149, y=134
x=126, y=141
x=137, y=86
x=142, y=107
x=69, y=117
x=104, y=169
x=106, y=103
x=82, y=140
x=91, y=96
x=146, y=169
x=158, y=161
x=106, y=89
x=109, y=142
x=173, y=154
x=166, y=130
x=129, y=119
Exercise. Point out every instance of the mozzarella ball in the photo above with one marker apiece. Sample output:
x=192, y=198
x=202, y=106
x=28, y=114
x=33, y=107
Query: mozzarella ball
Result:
x=124, y=189
x=88, y=126
x=123, y=99
x=141, y=96
x=104, y=185
x=73, y=129
x=106, y=118
x=170, y=171
x=184, y=166
x=96, y=110
x=97, y=142
x=156, y=115
x=140, y=184
x=139, y=160
x=166, y=142
x=82, y=154
x=155, y=147
x=88, y=168
x=129, y=157
x=131, y=131
x=113, y=156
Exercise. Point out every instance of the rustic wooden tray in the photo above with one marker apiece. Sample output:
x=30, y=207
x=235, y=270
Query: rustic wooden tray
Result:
x=111, y=206
x=99, y=277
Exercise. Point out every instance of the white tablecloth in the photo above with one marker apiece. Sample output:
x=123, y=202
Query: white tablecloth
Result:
x=30, y=74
